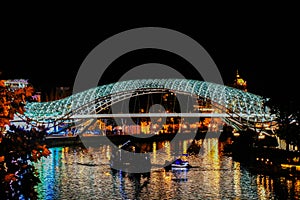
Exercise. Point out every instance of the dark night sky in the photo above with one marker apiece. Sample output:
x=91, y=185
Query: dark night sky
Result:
x=49, y=52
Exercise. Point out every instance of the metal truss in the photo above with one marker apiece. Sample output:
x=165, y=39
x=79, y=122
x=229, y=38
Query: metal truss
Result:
x=230, y=100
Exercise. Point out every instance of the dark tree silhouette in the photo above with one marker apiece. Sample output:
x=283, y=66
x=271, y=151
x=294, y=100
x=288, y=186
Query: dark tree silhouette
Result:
x=288, y=119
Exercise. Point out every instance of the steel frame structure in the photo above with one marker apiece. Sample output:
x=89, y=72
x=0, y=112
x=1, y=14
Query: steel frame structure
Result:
x=94, y=100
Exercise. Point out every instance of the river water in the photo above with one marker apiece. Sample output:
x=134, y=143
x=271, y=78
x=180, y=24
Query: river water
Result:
x=79, y=173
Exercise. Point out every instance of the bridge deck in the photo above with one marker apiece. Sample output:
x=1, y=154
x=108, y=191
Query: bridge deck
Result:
x=140, y=115
x=125, y=115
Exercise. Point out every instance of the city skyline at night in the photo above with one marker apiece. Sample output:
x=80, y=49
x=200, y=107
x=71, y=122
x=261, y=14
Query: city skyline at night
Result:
x=170, y=106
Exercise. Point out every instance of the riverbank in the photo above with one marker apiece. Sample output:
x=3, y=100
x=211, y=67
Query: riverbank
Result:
x=94, y=140
x=268, y=161
x=57, y=141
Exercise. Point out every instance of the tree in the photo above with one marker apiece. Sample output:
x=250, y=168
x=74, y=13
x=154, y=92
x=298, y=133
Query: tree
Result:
x=19, y=148
x=288, y=119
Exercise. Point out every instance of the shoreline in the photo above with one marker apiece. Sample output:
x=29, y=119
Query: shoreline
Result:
x=56, y=141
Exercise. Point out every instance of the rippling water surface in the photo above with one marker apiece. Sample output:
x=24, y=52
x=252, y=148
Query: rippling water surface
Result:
x=77, y=173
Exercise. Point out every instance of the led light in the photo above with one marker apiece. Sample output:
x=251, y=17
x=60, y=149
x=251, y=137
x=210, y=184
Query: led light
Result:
x=239, y=101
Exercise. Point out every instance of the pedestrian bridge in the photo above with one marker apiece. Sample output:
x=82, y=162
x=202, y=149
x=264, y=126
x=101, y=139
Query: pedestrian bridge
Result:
x=238, y=106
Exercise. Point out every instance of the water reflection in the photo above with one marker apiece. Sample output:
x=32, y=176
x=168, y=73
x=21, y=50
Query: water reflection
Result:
x=139, y=181
x=83, y=173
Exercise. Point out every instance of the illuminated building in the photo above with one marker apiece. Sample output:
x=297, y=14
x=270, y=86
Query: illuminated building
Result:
x=16, y=83
x=239, y=82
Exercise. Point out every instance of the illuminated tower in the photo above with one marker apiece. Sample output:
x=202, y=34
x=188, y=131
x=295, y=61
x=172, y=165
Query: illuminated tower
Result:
x=239, y=82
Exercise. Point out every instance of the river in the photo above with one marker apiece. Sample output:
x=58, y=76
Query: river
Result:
x=79, y=173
